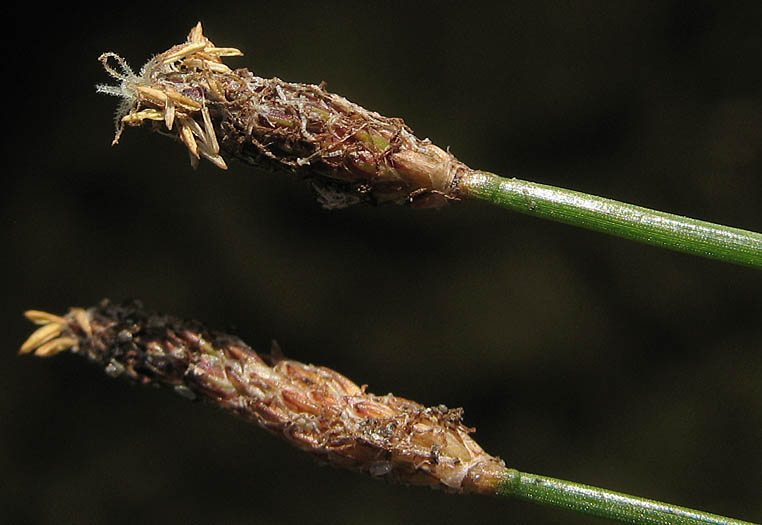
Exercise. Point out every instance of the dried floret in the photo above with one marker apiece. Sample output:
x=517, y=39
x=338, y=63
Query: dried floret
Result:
x=313, y=407
x=349, y=154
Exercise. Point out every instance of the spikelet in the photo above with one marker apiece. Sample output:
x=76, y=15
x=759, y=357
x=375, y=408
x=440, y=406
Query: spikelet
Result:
x=313, y=407
x=349, y=154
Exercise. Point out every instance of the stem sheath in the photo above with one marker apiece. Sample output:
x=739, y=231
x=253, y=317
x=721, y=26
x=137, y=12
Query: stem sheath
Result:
x=603, y=503
x=640, y=224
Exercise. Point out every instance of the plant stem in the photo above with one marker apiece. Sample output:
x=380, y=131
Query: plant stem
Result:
x=352, y=155
x=320, y=410
x=603, y=503
x=616, y=218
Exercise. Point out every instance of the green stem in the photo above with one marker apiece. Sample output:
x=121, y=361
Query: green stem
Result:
x=617, y=218
x=603, y=503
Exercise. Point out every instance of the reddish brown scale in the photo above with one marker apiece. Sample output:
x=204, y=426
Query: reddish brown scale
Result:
x=315, y=408
x=349, y=154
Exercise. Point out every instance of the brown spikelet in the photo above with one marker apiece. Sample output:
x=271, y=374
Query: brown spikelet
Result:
x=349, y=154
x=313, y=407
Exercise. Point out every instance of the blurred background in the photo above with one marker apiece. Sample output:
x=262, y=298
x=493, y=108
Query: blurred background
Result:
x=574, y=354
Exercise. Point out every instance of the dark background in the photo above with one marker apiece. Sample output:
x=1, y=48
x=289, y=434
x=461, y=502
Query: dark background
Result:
x=576, y=355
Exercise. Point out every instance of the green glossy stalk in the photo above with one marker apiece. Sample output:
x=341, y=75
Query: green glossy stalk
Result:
x=603, y=503
x=670, y=231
